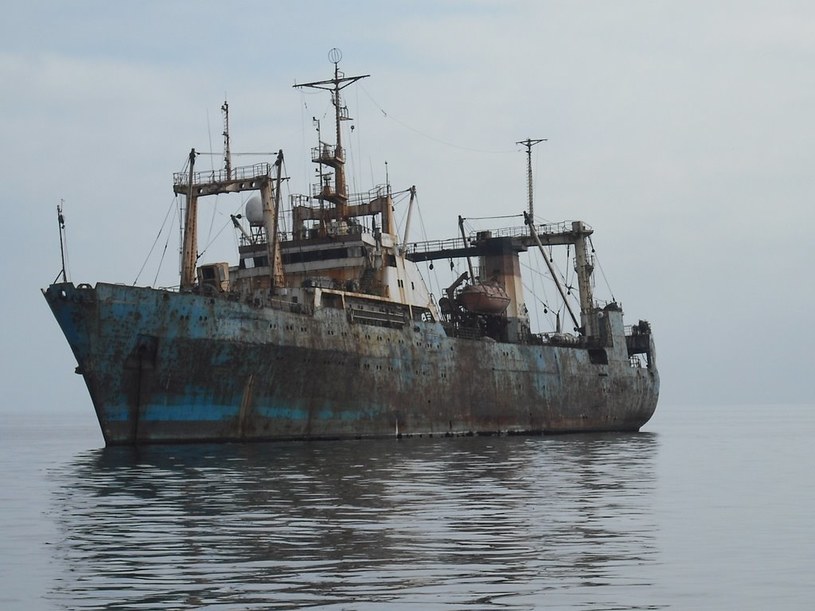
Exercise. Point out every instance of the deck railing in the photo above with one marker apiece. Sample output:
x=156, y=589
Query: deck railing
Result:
x=249, y=172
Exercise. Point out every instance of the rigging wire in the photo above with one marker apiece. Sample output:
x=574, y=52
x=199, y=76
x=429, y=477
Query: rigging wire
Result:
x=602, y=272
x=63, y=239
x=215, y=237
x=544, y=279
x=249, y=154
x=546, y=307
x=303, y=109
x=564, y=277
x=428, y=136
x=164, y=251
x=354, y=141
x=431, y=269
x=533, y=292
x=160, y=231
x=399, y=220
x=350, y=149
x=212, y=169
x=490, y=218
x=282, y=217
x=175, y=203
x=534, y=295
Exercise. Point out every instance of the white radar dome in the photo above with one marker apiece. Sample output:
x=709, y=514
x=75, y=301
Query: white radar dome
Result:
x=254, y=210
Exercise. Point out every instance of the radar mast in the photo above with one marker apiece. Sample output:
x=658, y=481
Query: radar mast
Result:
x=326, y=155
x=529, y=143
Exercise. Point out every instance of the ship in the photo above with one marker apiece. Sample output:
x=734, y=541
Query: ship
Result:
x=325, y=327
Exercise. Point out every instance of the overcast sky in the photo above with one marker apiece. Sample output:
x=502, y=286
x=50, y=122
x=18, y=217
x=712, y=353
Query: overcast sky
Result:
x=682, y=131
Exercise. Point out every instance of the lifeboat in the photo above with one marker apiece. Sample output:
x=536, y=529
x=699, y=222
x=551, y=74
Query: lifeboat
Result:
x=484, y=298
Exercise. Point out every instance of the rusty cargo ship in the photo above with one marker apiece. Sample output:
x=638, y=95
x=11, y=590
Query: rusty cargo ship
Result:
x=326, y=329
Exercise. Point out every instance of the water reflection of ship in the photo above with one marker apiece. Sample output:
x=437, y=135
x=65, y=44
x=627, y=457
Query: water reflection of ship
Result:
x=332, y=523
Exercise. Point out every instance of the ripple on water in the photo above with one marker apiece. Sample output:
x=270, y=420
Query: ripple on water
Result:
x=461, y=523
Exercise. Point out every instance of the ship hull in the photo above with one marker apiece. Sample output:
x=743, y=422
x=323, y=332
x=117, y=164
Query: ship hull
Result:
x=163, y=366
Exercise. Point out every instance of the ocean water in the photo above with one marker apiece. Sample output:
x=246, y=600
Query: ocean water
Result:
x=706, y=508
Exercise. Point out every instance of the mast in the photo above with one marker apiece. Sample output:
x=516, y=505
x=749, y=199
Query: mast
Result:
x=325, y=155
x=258, y=177
x=61, y=223
x=584, y=265
x=227, y=152
x=271, y=220
x=529, y=143
x=189, y=254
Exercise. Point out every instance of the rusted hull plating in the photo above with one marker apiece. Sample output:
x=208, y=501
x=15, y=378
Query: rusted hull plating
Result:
x=163, y=366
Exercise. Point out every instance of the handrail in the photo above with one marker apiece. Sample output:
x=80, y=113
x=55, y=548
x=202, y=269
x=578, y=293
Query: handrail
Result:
x=250, y=172
x=559, y=228
x=434, y=245
x=550, y=229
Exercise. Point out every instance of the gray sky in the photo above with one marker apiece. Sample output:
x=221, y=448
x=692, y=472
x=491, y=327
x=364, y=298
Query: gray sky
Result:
x=682, y=131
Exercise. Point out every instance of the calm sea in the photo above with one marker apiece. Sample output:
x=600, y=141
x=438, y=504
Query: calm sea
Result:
x=707, y=508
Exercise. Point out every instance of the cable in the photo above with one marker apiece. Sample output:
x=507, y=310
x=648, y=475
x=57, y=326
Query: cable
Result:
x=602, y=272
x=428, y=136
x=489, y=218
x=161, y=260
x=150, y=252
